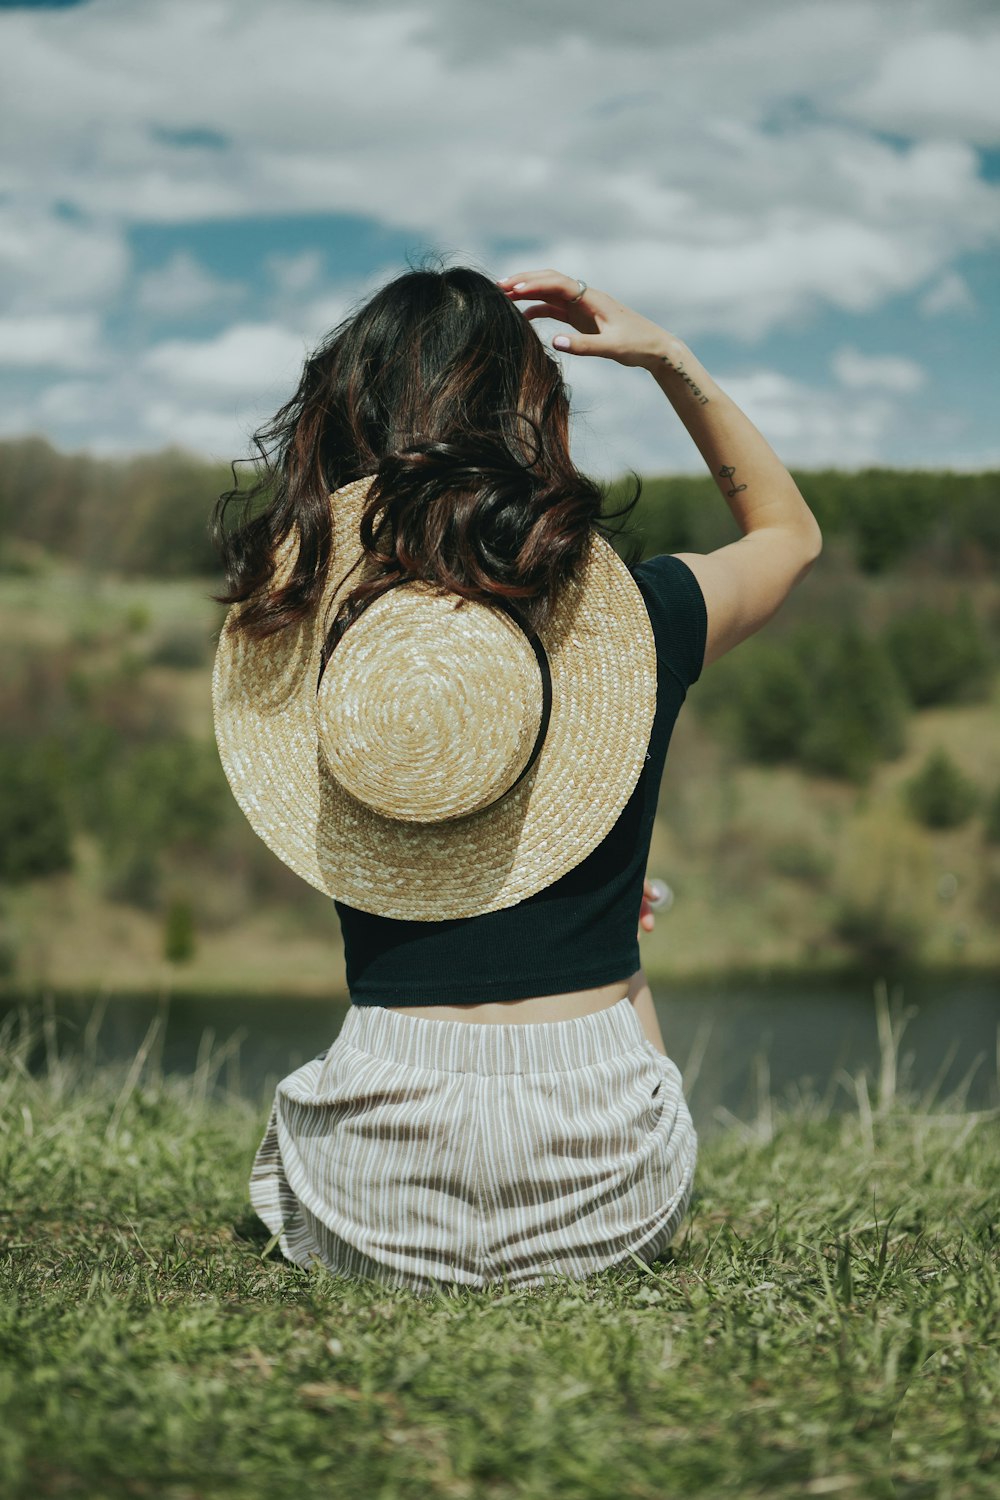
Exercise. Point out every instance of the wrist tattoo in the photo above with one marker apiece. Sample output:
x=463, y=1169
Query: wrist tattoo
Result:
x=726, y=472
x=695, y=390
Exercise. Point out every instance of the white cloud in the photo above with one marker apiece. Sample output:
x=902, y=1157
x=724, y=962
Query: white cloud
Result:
x=49, y=260
x=71, y=402
x=183, y=286
x=202, y=429
x=621, y=420
x=57, y=341
x=941, y=82
x=884, y=372
x=948, y=294
x=295, y=274
x=745, y=288
x=810, y=426
x=248, y=358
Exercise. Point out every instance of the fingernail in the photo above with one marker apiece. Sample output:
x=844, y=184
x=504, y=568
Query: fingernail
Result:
x=560, y=341
x=519, y=286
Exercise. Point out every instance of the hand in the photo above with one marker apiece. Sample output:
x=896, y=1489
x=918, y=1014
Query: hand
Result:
x=646, y=918
x=602, y=326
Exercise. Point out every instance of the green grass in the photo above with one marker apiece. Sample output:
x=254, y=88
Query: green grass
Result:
x=824, y=1324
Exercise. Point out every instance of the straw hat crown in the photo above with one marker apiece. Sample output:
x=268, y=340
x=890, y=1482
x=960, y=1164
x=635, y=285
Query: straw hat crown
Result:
x=429, y=706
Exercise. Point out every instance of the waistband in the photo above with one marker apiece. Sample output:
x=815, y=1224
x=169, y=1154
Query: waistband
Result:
x=473, y=1047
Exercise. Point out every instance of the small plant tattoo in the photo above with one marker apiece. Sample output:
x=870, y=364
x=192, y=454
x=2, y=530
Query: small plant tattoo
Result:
x=726, y=472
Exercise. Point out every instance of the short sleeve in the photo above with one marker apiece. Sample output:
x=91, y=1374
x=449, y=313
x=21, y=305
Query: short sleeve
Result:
x=678, y=614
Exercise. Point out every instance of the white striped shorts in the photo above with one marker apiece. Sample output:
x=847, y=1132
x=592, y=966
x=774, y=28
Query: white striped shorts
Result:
x=427, y=1154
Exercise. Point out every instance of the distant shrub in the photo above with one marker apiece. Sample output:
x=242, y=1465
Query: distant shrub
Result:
x=8, y=949
x=991, y=822
x=114, y=694
x=891, y=512
x=133, y=875
x=941, y=658
x=772, y=703
x=184, y=649
x=798, y=859
x=17, y=561
x=178, y=934
x=37, y=701
x=35, y=836
x=152, y=798
x=971, y=519
x=859, y=710
x=988, y=898
x=940, y=795
x=131, y=665
x=830, y=701
x=138, y=617
x=878, y=933
x=884, y=887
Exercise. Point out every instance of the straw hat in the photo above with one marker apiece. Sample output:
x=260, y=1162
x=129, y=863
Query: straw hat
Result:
x=448, y=764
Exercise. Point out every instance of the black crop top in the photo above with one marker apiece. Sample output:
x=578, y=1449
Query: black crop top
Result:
x=579, y=932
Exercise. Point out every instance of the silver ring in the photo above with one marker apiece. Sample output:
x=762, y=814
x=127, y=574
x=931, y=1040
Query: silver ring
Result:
x=583, y=287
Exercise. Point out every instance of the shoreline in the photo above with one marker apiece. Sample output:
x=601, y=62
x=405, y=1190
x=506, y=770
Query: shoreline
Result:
x=773, y=976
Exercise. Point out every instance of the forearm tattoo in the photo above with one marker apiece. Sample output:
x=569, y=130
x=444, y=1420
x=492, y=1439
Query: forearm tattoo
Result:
x=695, y=390
x=726, y=472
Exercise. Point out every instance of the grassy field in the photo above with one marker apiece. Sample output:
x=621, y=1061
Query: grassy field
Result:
x=826, y=1322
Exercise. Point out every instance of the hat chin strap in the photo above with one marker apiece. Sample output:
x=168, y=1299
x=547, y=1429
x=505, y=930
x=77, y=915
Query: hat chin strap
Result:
x=541, y=657
x=543, y=723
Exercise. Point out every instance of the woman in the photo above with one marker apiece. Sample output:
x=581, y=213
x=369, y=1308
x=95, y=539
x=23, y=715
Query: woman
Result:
x=443, y=699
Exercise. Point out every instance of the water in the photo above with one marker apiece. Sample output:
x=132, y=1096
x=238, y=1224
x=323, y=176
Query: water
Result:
x=732, y=1041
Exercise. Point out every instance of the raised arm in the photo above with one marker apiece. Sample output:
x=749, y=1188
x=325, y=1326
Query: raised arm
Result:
x=745, y=582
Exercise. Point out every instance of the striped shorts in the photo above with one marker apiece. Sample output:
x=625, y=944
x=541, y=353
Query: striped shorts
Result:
x=429, y=1154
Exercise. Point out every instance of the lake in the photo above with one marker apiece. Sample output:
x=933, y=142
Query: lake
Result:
x=732, y=1040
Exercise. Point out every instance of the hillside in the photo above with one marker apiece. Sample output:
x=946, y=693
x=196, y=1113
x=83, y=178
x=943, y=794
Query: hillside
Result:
x=785, y=829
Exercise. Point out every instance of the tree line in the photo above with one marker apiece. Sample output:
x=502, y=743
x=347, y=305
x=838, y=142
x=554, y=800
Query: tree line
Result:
x=149, y=515
x=884, y=515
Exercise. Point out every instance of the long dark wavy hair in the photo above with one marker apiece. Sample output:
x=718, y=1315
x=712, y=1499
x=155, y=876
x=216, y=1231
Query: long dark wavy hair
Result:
x=439, y=387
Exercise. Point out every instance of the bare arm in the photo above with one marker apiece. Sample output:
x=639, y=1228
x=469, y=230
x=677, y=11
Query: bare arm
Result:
x=746, y=582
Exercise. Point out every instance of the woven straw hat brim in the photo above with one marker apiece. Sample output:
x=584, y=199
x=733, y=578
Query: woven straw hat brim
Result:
x=602, y=658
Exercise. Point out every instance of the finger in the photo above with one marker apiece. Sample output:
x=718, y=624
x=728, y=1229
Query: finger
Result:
x=516, y=277
x=546, y=283
x=579, y=343
x=578, y=319
x=545, y=310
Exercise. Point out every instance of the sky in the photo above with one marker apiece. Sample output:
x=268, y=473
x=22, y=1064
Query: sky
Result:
x=194, y=192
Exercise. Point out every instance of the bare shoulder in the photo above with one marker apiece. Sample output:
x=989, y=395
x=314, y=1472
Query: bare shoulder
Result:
x=745, y=583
